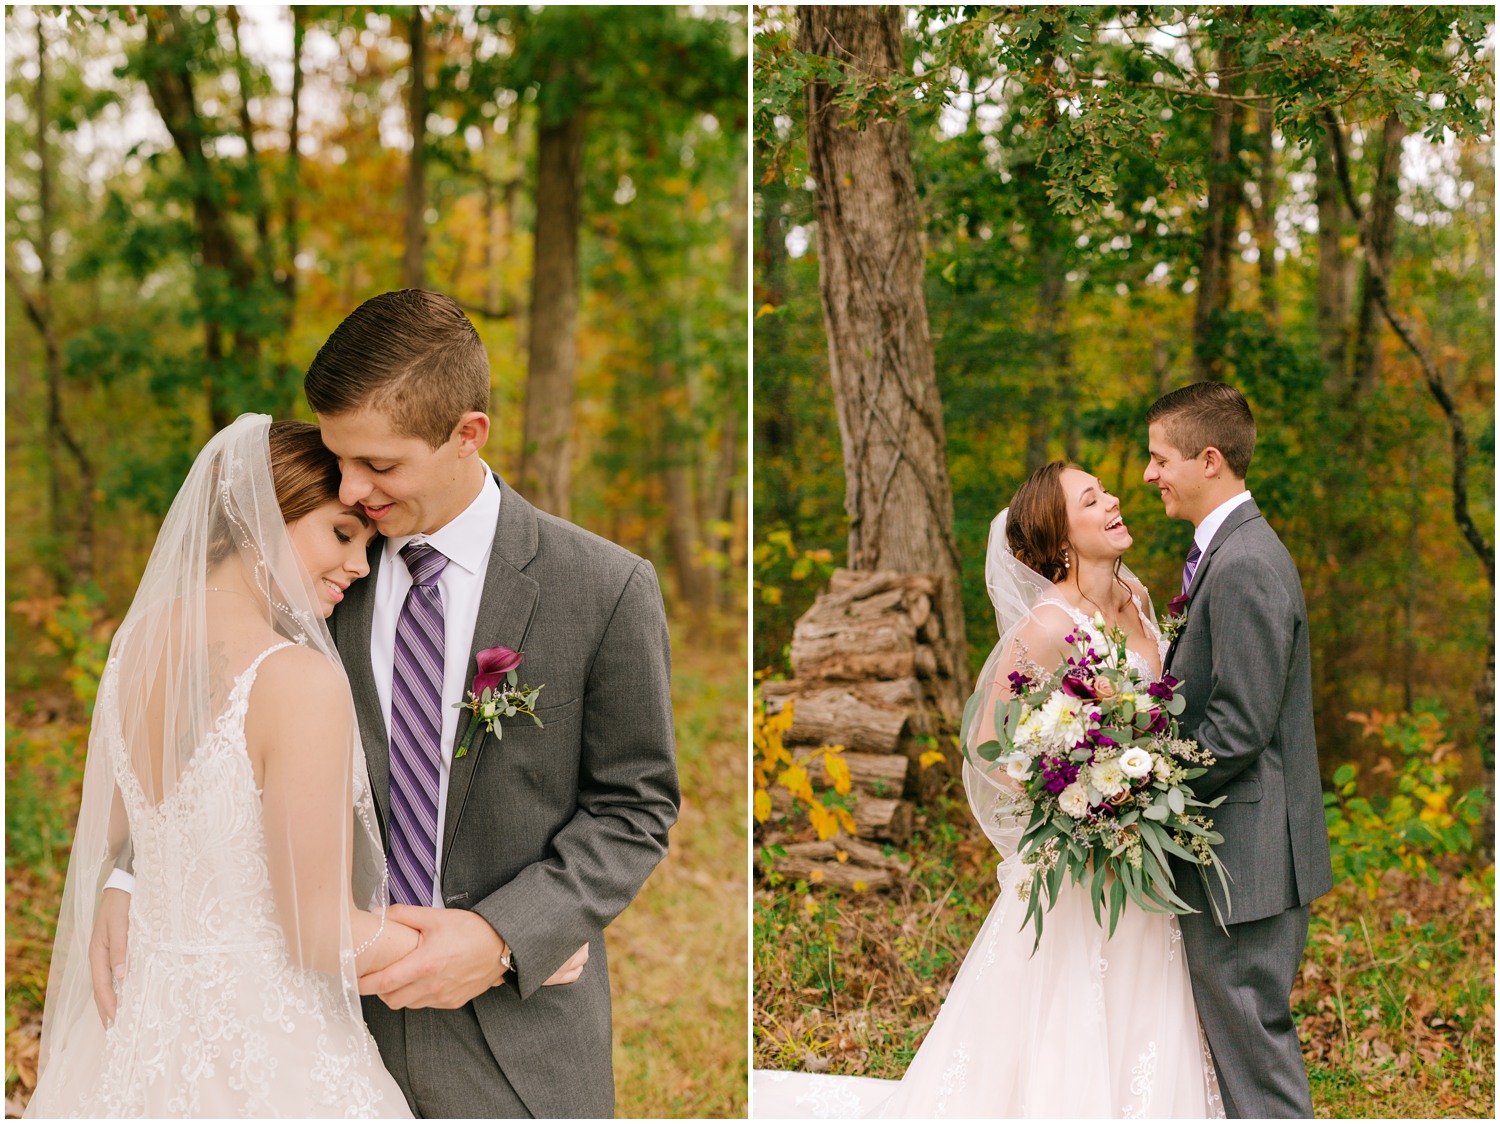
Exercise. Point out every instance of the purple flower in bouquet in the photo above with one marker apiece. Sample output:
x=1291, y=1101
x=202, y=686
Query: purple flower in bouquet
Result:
x=1058, y=773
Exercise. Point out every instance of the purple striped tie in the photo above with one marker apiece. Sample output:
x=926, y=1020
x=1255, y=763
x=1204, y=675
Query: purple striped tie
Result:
x=416, y=728
x=1192, y=564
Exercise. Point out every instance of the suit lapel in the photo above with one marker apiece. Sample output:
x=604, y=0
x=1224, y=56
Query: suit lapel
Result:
x=506, y=607
x=355, y=617
x=1232, y=522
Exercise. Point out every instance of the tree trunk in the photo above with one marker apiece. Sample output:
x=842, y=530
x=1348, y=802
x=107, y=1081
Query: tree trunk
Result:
x=76, y=541
x=1365, y=364
x=1220, y=220
x=546, y=452
x=1333, y=303
x=1265, y=215
x=870, y=263
x=413, y=263
x=168, y=78
x=726, y=482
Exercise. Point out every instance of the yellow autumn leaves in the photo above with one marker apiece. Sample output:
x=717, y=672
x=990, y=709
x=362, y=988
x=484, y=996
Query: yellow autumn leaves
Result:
x=775, y=765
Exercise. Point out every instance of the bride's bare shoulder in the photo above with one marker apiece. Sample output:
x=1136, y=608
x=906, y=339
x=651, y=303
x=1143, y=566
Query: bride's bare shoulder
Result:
x=293, y=679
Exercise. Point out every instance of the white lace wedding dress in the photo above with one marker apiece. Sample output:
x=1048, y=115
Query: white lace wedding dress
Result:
x=214, y=1018
x=1088, y=1027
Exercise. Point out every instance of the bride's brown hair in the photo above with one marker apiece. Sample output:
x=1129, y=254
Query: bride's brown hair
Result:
x=303, y=472
x=1037, y=529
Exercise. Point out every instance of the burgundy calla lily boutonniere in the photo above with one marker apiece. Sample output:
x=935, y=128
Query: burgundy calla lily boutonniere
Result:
x=1176, y=617
x=494, y=695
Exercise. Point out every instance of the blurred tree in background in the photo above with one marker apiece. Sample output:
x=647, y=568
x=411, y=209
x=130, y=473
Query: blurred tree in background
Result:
x=1119, y=201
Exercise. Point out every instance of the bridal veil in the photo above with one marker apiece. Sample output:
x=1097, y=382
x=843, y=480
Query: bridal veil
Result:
x=167, y=688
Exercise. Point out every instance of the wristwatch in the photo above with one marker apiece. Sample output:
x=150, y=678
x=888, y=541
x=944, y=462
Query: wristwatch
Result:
x=505, y=962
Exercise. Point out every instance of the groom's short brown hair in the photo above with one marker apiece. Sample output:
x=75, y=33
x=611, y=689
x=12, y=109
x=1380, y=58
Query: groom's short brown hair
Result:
x=1208, y=413
x=413, y=355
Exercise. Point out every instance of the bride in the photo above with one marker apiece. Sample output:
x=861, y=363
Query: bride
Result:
x=222, y=772
x=1090, y=1025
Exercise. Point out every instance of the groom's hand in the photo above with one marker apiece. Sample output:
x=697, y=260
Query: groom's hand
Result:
x=107, y=947
x=457, y=957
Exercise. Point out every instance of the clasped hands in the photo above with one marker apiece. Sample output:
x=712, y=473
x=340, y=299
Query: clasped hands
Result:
x=457, y=956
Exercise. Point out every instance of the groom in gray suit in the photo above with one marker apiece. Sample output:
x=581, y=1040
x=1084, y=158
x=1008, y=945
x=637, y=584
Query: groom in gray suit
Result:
x=509, y=857
x=1242, y=654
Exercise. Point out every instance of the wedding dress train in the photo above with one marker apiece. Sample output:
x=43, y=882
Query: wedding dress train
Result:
x=214, y=1017
x=1088, y=1027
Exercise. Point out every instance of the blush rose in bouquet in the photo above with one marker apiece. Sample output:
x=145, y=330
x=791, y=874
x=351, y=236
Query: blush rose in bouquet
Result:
x=1095, y=750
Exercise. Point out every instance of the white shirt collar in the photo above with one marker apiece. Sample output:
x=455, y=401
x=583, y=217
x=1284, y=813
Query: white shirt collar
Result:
x=1205, y=532
x=468, y=537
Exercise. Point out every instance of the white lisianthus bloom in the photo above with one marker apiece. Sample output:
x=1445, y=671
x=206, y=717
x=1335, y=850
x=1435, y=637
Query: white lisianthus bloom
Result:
x=1018, y=767
x=1135, y=763
x=1108, y=776
x=1099, y=621
x=1163, y=769
x=1061, y=719
x=1074, y=801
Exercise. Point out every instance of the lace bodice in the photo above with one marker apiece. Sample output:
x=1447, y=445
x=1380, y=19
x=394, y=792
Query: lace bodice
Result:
x=202, y=878
x=1135, y=660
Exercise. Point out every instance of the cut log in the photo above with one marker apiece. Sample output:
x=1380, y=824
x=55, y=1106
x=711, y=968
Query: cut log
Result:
x=880, y=774
x=874, y=816
x=842, y=876
x=866, y=583
x=918, y=607
x=838, y=718
x=858, y=850
x=859, y=636
x=866, y=867
x=897, y=694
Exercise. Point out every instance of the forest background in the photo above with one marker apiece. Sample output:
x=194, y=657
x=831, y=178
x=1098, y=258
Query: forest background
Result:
x=195, y=197
x=1105, y=204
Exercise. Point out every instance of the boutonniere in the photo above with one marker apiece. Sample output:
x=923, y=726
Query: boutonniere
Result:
x=1176, y=617
x=489, y=701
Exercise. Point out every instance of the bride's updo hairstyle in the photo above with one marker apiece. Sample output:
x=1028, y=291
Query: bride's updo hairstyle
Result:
x=1037, y=529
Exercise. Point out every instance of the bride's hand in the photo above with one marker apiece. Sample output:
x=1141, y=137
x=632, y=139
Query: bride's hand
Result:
x=107, y=948
x=396, y=941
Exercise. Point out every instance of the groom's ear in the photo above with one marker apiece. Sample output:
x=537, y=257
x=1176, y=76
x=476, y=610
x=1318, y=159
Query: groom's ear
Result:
x=1214, y=465
x=472, y=431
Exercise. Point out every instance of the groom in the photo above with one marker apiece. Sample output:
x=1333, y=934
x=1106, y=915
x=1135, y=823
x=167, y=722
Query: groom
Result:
x=1242, y=654
x=511, y=857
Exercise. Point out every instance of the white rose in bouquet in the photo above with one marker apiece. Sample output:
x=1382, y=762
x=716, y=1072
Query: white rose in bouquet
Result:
x=1074, y=801
x=1135, y=763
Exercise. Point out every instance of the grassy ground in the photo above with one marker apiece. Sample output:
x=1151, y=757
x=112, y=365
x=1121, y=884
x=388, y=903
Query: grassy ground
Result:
x=1395, y=1002
x=677, y=955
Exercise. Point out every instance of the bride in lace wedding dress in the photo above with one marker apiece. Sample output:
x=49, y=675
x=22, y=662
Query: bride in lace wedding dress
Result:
x=222, y=774
x=1089, y=1026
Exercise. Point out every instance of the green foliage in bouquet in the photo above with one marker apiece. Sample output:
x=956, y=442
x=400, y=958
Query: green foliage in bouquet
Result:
x=1095, y=752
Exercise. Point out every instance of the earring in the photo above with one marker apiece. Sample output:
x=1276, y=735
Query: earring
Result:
x=1066, y=561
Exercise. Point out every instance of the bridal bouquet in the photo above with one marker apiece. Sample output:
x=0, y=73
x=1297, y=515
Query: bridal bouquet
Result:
x=1096, y=752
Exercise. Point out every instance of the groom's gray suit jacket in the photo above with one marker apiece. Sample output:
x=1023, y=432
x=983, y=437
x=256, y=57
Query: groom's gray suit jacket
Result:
x=549, y=832
x=1245, y=660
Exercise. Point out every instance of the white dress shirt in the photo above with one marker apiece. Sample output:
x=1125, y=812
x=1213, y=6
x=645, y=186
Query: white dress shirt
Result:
x=1204, y=533
x=466, y=541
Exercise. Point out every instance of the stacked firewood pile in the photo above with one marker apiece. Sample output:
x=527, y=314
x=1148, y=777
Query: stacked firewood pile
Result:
x=871, y=671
